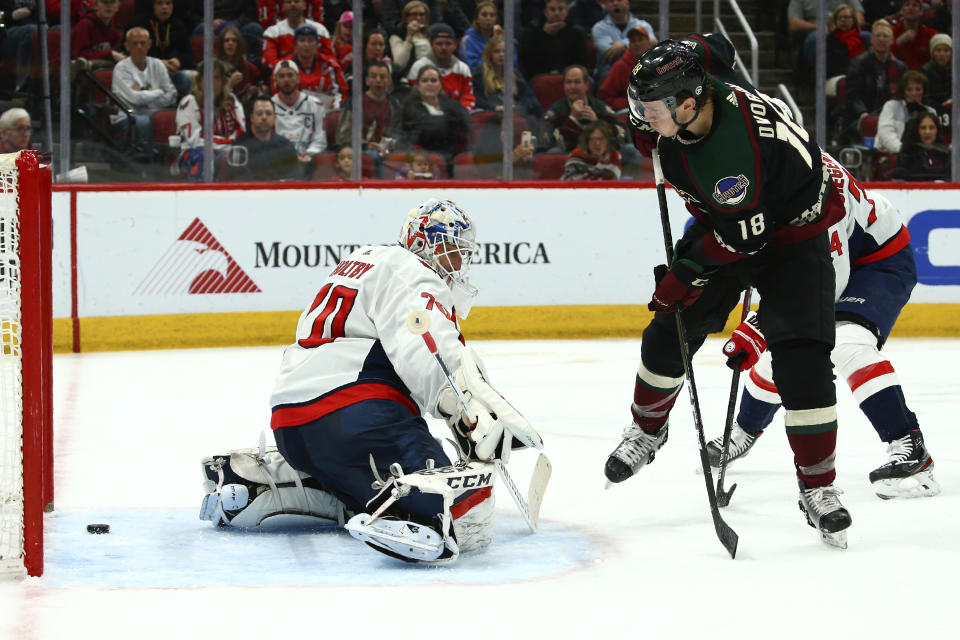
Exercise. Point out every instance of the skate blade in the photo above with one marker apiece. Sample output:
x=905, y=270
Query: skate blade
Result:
x=919, y=485
x=838, y=539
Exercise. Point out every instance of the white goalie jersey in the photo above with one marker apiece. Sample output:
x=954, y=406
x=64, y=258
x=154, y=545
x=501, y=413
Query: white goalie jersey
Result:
x=353, y=342
x=870, y=231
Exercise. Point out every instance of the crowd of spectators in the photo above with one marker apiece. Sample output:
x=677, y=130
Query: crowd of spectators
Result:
x=889, y=81
x=434, y=83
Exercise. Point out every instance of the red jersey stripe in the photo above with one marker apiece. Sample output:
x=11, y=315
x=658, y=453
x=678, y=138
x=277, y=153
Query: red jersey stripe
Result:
x=302, y=414
x=763, y=383
x=868, y=373
x=899, y=241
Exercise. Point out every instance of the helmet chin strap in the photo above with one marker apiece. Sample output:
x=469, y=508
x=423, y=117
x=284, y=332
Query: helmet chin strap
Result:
x=681, y=128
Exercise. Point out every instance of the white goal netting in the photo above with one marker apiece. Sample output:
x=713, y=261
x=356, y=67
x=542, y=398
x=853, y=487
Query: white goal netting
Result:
x=11, y=383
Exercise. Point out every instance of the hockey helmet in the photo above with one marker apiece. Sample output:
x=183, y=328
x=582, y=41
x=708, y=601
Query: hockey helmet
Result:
x=661, y=73
x=444, y=236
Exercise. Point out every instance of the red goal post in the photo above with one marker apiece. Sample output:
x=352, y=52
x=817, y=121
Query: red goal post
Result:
x=26, y=360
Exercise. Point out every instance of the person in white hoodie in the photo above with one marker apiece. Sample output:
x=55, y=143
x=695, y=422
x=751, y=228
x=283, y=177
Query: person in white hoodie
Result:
x=144, y=86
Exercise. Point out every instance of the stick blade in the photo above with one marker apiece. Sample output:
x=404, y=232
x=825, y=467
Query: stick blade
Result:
x=728, y=537
x=542, y=471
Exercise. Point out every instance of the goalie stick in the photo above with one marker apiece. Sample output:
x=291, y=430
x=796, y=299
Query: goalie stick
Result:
x=419, y=324
x=723, y=497
x=728, y=537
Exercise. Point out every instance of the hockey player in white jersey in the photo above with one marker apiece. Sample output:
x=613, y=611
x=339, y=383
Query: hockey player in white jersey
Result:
x=875, y=274
x=348, y=404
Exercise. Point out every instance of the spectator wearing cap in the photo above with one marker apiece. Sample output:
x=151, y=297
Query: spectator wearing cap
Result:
x=556, y=45
x=911, y=38
x=613, y=91
x=320, y=73
x=343, y=42
x=938, y=71
x=269, y=156
x=14, y=130
x=610, y=35
x=455, y=75
x=279, y=39
x=299, y=116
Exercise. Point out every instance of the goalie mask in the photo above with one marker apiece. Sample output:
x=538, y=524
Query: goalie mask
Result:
x=664, y=71
x=443, y=236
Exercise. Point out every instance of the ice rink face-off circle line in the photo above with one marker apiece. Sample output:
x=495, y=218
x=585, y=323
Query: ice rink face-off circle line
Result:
x=171, y=548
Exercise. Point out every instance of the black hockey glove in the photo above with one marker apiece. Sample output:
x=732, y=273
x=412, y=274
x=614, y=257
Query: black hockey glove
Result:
x=677, y=287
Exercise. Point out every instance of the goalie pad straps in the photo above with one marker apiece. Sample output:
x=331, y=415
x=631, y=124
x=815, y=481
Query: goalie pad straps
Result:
x=248, y=487
x=466, y=523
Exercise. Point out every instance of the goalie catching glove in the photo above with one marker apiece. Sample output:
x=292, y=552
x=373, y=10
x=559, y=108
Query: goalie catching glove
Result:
x=489, y=427
x=746, y=345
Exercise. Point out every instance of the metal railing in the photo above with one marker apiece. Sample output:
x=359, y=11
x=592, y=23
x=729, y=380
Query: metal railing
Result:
x=754, y=72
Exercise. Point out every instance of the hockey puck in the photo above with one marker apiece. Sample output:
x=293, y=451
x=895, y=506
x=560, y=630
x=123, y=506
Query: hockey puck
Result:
x=98, y=528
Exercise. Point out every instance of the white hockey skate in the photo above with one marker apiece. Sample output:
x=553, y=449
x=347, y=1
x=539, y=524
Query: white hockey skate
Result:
x=825, y=514
x=407, y=541
x=908, y=471
x=740, y=444
x=637, y=449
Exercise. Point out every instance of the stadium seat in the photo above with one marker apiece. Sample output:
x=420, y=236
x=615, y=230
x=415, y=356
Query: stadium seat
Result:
x=125, y=13
x=164, y=126
x=330, y=123
x=105, y=77
x=549, y=166
x=465, y=167
x=868, y=126
x=548, y=87
x=196, y=46
x=479, y=118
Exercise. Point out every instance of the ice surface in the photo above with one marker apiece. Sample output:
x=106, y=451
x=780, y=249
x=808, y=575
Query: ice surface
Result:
x=639, y=560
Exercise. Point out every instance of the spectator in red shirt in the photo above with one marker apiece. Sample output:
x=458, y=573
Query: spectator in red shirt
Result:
x=278, y=39
x=911, y=38
x=320, y=74
x=613, y=91
x=95, y=38
x=267, y=11
x=455, y=75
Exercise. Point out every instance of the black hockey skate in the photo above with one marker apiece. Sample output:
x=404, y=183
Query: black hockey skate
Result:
x=636, y=450
x=908, y=471
x=740, y=444
x=825, y=514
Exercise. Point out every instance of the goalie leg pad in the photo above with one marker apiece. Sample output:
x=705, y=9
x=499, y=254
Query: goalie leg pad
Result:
x=465, y=523
x=252, y=487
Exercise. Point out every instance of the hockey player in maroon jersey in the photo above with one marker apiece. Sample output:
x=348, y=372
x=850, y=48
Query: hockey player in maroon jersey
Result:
x=762, y=200
x=348, y=405
x=876, y=273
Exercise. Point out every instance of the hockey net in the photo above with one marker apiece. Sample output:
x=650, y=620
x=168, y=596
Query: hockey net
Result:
x=26, y=485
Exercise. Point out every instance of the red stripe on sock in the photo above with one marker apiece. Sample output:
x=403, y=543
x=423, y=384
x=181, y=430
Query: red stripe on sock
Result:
x=763, y=383
x=868, y=373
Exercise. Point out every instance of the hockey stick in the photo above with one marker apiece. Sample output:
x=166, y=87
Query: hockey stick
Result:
x=419, y=324
x=723, y=497
x=728, y=537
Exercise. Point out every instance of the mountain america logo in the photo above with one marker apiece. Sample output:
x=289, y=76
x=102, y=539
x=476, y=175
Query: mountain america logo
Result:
x=194, y=264
x=731, y=190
